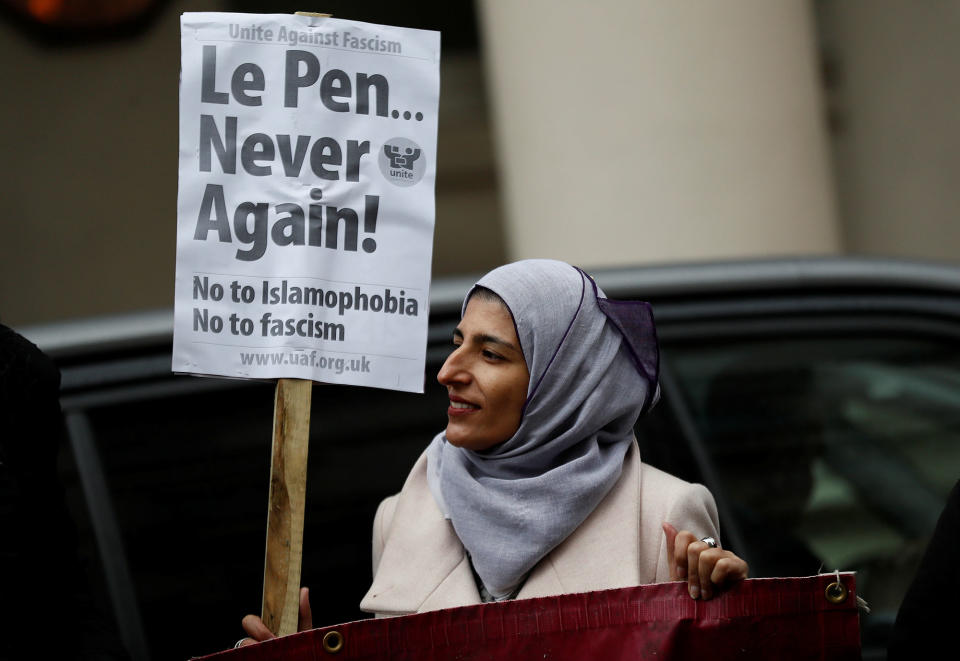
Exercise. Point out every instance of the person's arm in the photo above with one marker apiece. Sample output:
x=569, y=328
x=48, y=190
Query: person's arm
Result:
x=925, y=620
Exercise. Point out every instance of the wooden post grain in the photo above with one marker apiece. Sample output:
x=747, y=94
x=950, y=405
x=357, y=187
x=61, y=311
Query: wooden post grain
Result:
x=288, y=488
x=288, y=484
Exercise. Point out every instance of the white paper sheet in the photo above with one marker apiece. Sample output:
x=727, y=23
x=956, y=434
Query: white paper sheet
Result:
x=306, y=201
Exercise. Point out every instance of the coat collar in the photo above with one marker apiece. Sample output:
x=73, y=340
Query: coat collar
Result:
x=424, y=566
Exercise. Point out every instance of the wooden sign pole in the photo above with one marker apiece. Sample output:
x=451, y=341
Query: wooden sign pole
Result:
x=288, y=485
x=288, y=488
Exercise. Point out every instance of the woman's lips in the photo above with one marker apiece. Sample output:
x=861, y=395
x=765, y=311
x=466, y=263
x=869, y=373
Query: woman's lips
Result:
x=459, y=406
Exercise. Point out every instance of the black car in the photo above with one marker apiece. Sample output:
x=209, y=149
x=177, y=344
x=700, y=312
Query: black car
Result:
x=819, y=400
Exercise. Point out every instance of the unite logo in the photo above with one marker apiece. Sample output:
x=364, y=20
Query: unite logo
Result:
x=402, y=162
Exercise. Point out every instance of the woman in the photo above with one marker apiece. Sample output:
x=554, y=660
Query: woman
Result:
x=536, y=487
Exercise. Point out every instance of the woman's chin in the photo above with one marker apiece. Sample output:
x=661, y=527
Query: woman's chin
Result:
x=454, y=438
x=459, y=432
x=470, y=441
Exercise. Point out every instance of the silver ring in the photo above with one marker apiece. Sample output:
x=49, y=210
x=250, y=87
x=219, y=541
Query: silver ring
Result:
x=237, y=644
x=710, y=541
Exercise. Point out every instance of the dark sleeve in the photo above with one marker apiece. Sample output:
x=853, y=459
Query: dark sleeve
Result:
x=47, y=610
x=927, y=616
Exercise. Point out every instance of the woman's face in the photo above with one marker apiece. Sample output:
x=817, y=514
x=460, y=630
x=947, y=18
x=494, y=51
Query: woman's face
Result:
x=486, y=377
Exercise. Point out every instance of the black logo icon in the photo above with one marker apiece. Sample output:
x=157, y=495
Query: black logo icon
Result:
x=402, y=162
x=401, y=158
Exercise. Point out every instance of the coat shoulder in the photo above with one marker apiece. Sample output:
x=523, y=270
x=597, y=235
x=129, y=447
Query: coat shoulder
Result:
x=382, y=523
x=665, y=498
x=667, y=495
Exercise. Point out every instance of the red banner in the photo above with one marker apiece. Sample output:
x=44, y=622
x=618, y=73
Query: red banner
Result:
x=782, y=618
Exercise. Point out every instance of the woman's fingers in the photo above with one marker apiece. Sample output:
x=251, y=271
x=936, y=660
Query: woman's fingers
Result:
x=256, y=629
x=729, y=569
x=697, y=583
x=305, y=620
x=705, y=568
x=706, y=562
x=719, y=568
x=682, y=556
x=671, y=535
x=677, y=543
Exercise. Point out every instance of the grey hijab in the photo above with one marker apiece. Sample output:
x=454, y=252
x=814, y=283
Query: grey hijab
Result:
x=593, y=369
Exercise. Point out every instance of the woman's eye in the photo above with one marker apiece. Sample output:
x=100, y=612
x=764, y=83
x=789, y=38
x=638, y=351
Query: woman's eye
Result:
x=491, y=355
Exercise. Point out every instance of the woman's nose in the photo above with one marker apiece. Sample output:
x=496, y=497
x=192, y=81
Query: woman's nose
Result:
x=453, y=370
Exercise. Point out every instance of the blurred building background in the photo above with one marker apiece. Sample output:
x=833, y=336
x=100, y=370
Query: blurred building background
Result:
x=620, y=132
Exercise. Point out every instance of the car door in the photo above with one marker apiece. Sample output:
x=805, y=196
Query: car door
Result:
x=826, y=422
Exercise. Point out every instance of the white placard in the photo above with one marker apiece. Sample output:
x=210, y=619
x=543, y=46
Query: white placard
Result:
x=306, y=202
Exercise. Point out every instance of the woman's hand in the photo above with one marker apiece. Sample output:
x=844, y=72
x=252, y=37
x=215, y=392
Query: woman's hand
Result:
x=703, y=567
x=258, y=632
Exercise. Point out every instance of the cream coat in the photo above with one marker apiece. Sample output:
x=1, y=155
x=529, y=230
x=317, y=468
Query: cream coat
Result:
x=420, y=565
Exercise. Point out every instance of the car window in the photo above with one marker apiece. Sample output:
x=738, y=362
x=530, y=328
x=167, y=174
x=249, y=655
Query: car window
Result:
x=188, y=475
x=831, y=453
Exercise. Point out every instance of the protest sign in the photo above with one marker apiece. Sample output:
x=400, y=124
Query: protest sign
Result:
x=785, y=619
x=305, y=210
